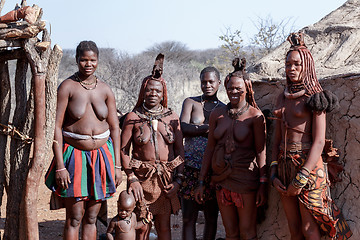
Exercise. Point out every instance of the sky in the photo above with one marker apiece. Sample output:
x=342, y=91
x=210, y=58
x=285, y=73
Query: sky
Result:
x=133, y=26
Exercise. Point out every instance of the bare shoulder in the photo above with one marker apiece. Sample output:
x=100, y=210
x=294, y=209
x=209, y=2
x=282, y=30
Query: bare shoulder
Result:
x=219, y=110
x=67, y=84
x=131, y=116
x=173, y=115
x=256, y=114
x=105, y=87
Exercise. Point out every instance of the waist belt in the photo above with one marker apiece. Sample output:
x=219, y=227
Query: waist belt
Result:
x=295, y=146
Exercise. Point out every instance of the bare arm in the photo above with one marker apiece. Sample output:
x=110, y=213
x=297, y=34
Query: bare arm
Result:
x=172, y=188
x=113, y=122
x=110, y=230
x=259, y=129
x=126, y=137
x=62, y=177
x=275, y=151
x=318, y=135
x=206, y=163
x=188, y=128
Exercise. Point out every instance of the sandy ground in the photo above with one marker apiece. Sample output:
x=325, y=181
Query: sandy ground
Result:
x=51, y=222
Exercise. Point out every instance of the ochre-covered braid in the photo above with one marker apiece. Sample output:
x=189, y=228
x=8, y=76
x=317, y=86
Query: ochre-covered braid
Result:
x=308, y=74
x=239, y=71
x=156, y=75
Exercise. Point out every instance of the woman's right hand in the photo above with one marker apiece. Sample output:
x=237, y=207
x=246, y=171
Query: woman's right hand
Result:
x=63, y=179
x=137, y=190
x=199, y=193
x=279, y=186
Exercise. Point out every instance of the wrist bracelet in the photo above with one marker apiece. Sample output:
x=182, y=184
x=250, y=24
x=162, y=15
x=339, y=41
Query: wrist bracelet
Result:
x=264, y=179
x=118, y=167
x=274, y=163
x=306, y=170
x=59, y=170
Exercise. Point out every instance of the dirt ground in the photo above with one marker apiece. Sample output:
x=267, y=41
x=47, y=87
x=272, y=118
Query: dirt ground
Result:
x=51, y=222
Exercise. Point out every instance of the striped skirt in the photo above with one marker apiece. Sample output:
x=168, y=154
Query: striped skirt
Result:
x=92, y=173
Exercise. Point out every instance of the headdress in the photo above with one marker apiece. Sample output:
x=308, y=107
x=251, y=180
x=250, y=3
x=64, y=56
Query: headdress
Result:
x=156, y=75
x=239, y=71
x=319, y=99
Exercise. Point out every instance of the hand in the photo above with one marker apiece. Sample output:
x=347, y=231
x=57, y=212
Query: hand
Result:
x=171, y=189
x=279, y=186
x=137, y=190
x=293, y=191
x=199, y=193
x=63, y=179
x=261, y=196
x=118, y=177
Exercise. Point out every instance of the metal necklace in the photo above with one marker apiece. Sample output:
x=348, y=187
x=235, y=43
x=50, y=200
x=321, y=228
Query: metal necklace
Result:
x=234, y=113
x=203, y=104
x=84, y=84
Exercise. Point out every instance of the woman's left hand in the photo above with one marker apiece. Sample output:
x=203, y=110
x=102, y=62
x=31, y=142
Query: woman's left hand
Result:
x=118, y=177
x=293, y=191
x=261, y=196
x=171, y=189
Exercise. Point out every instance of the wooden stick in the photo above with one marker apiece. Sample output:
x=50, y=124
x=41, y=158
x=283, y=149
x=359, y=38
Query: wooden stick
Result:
x=2, y=2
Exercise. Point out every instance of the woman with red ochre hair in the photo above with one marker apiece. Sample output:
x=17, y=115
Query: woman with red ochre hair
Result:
x=155, y=167
x=235, y=156
x=297, y=170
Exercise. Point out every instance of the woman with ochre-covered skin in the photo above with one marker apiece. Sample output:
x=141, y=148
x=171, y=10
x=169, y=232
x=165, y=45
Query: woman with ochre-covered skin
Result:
x=86, y=168
x=195, y=127
x=155, y=168
x=235, y=154
x=297, y=169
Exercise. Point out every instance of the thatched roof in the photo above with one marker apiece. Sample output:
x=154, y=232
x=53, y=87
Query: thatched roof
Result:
x=334, y=42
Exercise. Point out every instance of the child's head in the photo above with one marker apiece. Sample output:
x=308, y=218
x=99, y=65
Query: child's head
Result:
x=126, y=204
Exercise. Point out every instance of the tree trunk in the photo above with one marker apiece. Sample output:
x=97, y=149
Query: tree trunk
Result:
x=44, y=135
x=5, y=106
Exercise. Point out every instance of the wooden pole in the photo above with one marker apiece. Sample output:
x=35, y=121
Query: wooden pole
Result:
x=41, y=63
x=5, y=105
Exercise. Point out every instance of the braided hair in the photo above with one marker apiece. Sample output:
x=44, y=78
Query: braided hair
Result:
x=239, y=71
x=155, y=75
x=319, y=99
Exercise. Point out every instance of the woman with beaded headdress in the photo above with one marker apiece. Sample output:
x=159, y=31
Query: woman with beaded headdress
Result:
x=155, y=169
x=86, y=167
x=194, y=119
x=235, y=155
x=297, y=169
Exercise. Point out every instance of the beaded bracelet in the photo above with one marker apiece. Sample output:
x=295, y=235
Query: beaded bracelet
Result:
x=264, y=179
x=306, y=170
x=145, y=221
x=274, y=163
x=59, y=170
x=300, y=180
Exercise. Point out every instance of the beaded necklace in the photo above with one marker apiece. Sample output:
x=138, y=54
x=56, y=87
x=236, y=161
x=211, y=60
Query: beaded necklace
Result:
x=203, y=104
x=234, y=114
x=85, y=84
